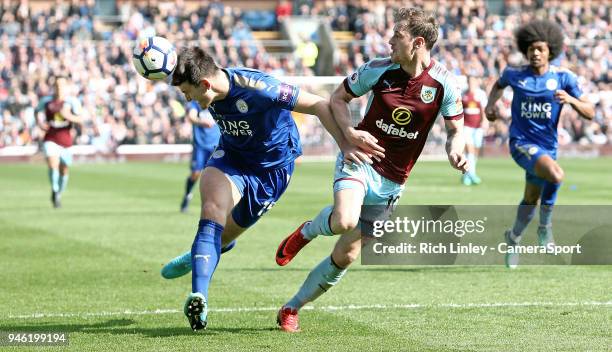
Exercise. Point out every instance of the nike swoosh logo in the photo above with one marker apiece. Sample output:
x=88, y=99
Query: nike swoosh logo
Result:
x=281, y=250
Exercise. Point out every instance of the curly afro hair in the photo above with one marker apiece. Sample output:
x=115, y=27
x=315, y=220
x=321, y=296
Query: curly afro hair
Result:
x=540, y=31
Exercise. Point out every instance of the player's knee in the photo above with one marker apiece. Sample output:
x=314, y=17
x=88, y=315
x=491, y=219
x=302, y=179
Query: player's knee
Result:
x=342, y=222
x=531, y=198
x=557, y=175
x=212, y=210
x=195, y=176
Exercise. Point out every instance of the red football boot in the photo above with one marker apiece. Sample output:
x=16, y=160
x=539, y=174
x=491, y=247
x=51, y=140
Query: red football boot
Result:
x=290, y=246
x=287, y=319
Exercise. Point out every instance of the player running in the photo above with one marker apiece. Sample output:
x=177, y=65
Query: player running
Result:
x=540, y=90
x=204, y=139
x=474, y=101
x=252, y=166
x=409, y=90
x=60, y=115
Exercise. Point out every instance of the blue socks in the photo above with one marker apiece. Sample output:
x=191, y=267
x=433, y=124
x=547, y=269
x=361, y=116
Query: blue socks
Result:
x=205, y=254
x=54, y=177
x=189, y=186
x=323, y=277
x=319, y=226
x=549, y=196
x=524, y=214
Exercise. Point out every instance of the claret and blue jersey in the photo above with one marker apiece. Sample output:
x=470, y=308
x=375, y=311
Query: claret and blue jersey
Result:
x=257, y=128
x=535, y=111
x=402, y=109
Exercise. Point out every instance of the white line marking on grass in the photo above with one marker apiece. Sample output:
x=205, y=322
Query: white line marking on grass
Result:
x=321, y=308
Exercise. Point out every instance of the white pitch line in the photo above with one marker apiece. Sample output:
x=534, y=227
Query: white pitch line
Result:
x=321, y=308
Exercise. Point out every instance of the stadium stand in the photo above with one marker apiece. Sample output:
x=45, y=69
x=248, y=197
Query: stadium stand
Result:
x=39, y=39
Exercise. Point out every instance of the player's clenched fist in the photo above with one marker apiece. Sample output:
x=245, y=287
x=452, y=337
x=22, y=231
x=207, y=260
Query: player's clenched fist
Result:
x=491, y=112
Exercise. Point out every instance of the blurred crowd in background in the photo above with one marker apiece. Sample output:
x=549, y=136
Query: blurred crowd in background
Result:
x=121, y=108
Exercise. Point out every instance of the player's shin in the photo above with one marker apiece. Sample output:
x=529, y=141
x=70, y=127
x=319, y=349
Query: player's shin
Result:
x=319, y=225
x=63, y=183
x=205, y=254
x=471, y=158
x=524, y=214
x=189, y=186
x=323, y=277
x=548, y=198
x=54, y=177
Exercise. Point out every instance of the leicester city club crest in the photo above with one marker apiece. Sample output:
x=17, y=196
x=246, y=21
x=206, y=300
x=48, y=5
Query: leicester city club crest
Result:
x=428, y=94
x=242, y=106
x=551, y=84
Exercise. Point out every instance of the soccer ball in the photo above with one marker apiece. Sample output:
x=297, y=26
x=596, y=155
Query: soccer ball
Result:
x=154, y=58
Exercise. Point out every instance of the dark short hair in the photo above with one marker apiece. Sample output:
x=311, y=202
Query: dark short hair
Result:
x=54, y=79
x=540, y=31
x=418, y=24
x=192, y=65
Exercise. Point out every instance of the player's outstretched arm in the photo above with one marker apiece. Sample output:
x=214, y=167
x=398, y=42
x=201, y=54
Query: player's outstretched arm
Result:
x=582, y=105
x=455, y=144
x=362, y=139
x=68, y=115
x=312, y=104
x=496, y=92
x=192, y=116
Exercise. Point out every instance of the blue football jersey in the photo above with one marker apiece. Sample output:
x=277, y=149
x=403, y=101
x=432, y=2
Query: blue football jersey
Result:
x=202, y=137
x=257, y=129
x=535, y=111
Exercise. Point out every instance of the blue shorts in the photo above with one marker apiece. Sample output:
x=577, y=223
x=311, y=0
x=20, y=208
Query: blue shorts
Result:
x=378, y=190
x=199, y=157
x=526, y=154
x=260, y=191
x=51, y=149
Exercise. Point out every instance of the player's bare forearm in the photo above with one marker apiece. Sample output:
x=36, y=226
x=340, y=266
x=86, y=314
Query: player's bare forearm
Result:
x=341, y=114
x=455, y=144
x=315, y=105
x=339, y=105
x=582, y=105
x=68, y=115
x=454, y=141
x=584, y=108
x=323, y=111
x=206, y=123
x=494, y=95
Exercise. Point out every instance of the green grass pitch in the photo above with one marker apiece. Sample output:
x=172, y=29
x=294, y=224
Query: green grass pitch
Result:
x=92, y=269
